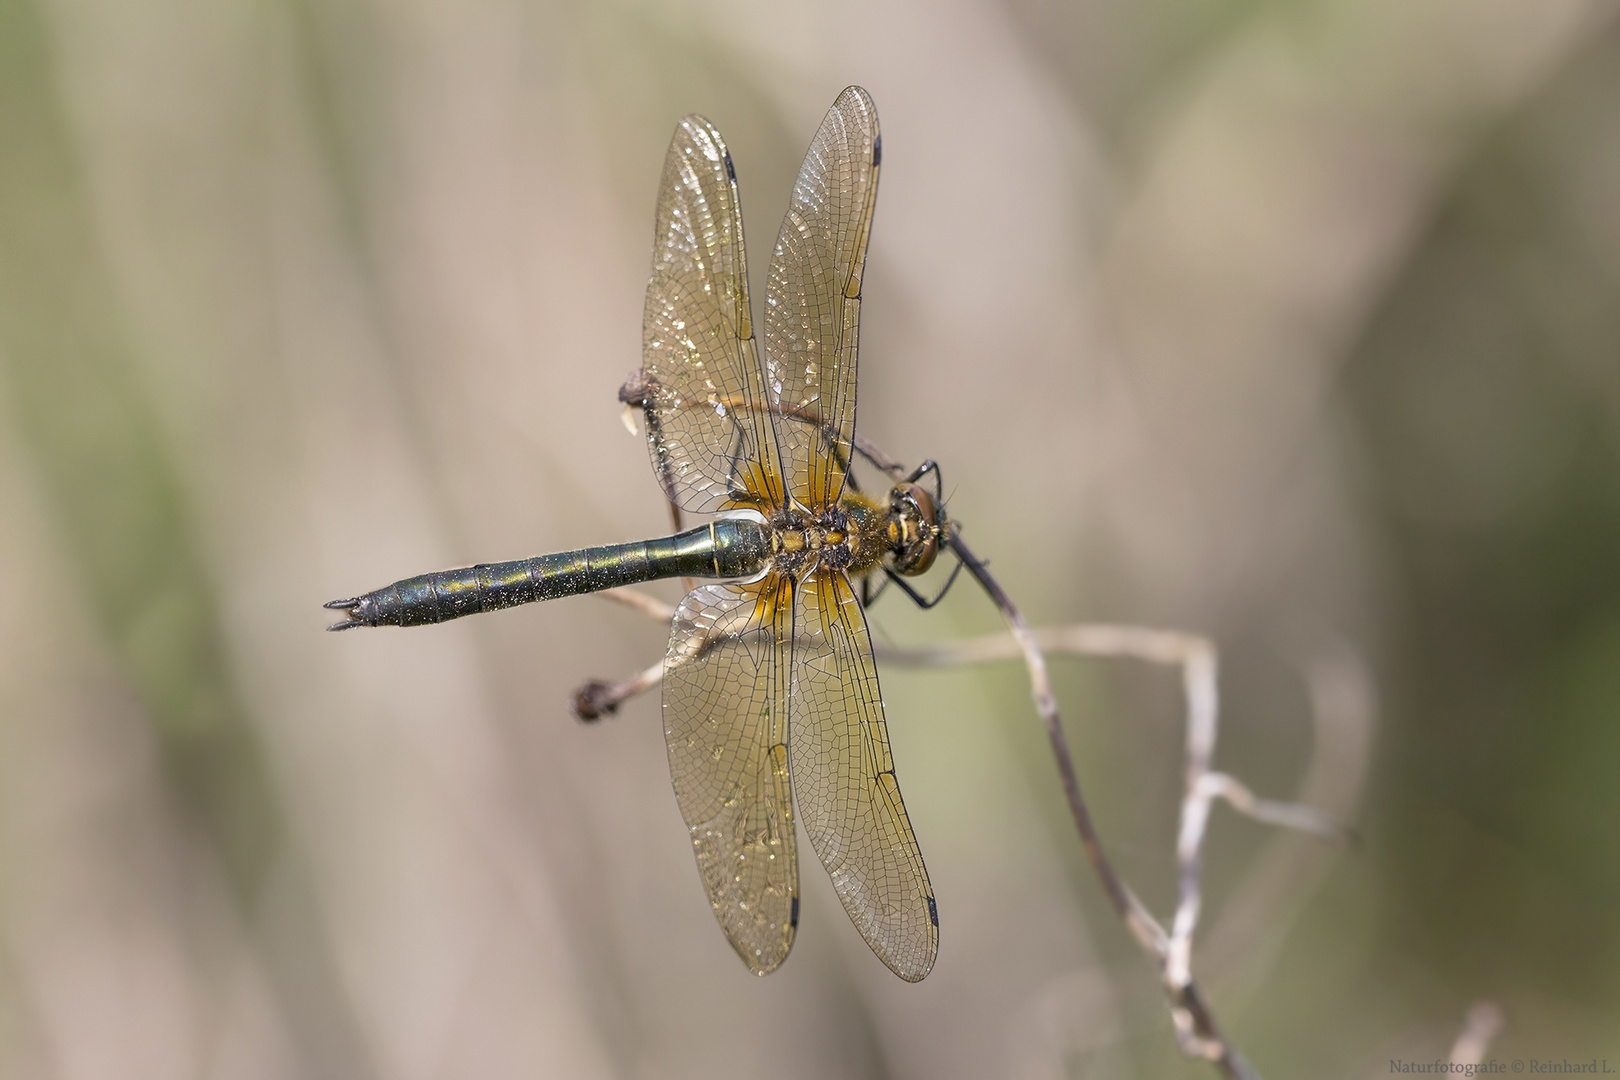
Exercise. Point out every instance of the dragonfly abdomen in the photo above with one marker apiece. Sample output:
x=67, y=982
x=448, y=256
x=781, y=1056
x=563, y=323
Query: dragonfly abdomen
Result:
x=727, y=548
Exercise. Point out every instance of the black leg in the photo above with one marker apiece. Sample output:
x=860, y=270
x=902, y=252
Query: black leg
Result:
x=916, y=597
x=869, y=595
x=930, y=466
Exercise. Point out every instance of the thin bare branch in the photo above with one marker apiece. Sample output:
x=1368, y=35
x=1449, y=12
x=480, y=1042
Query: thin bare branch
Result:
x=1245, y=943
x=1197, y=1031
x=649, y=606
x=597, y=699
x=1286, y=815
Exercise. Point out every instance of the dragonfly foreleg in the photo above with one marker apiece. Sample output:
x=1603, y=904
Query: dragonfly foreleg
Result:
x=917, y=597
x=930, y=466
x=869, y=595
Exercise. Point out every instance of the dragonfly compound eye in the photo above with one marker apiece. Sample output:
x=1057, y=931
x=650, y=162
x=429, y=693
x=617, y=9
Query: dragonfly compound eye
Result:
x=913, y=529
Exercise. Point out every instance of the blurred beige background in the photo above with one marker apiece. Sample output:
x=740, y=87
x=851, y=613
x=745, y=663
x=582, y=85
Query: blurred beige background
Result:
x=1294, y=324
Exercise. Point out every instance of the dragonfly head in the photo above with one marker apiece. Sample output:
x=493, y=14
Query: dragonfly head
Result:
x=916, y=523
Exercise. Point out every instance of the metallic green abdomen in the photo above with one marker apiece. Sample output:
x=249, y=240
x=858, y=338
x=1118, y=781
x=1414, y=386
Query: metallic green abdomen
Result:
x=728, y=548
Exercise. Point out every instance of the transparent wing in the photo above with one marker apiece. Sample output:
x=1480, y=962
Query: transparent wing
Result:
x=813, y=299
x=707, y=427
x=725, y=705
x=848, y=798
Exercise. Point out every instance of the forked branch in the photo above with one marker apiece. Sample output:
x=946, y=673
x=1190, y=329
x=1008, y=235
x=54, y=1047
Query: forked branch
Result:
x=1197, y=1031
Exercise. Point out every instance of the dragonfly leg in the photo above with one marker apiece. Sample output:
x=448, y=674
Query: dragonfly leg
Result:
x=917, y=597
x=930, y=466
x=869, y=595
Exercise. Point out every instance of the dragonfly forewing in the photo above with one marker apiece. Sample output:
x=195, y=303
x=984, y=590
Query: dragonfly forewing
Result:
x=707, y=428
x=848, y=798
x=726, y=683
x=813, y=299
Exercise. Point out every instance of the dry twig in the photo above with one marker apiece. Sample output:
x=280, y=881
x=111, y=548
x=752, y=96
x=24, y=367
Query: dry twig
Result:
x=1197, y=1031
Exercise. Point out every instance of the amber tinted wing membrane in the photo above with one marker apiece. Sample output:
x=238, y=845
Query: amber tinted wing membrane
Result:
x=707, y=430
x=813, y=299
x=725, y=701
x=844, y=777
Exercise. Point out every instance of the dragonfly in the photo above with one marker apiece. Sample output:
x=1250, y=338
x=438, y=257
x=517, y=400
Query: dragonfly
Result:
x=771, y=704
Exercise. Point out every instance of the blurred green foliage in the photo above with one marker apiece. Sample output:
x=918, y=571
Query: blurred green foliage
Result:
x=1487, y=390
x=74, y=392
x=1483, y=396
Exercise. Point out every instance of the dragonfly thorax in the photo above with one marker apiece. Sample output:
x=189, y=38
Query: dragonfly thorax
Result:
x=859, y=533
x=847, y=536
